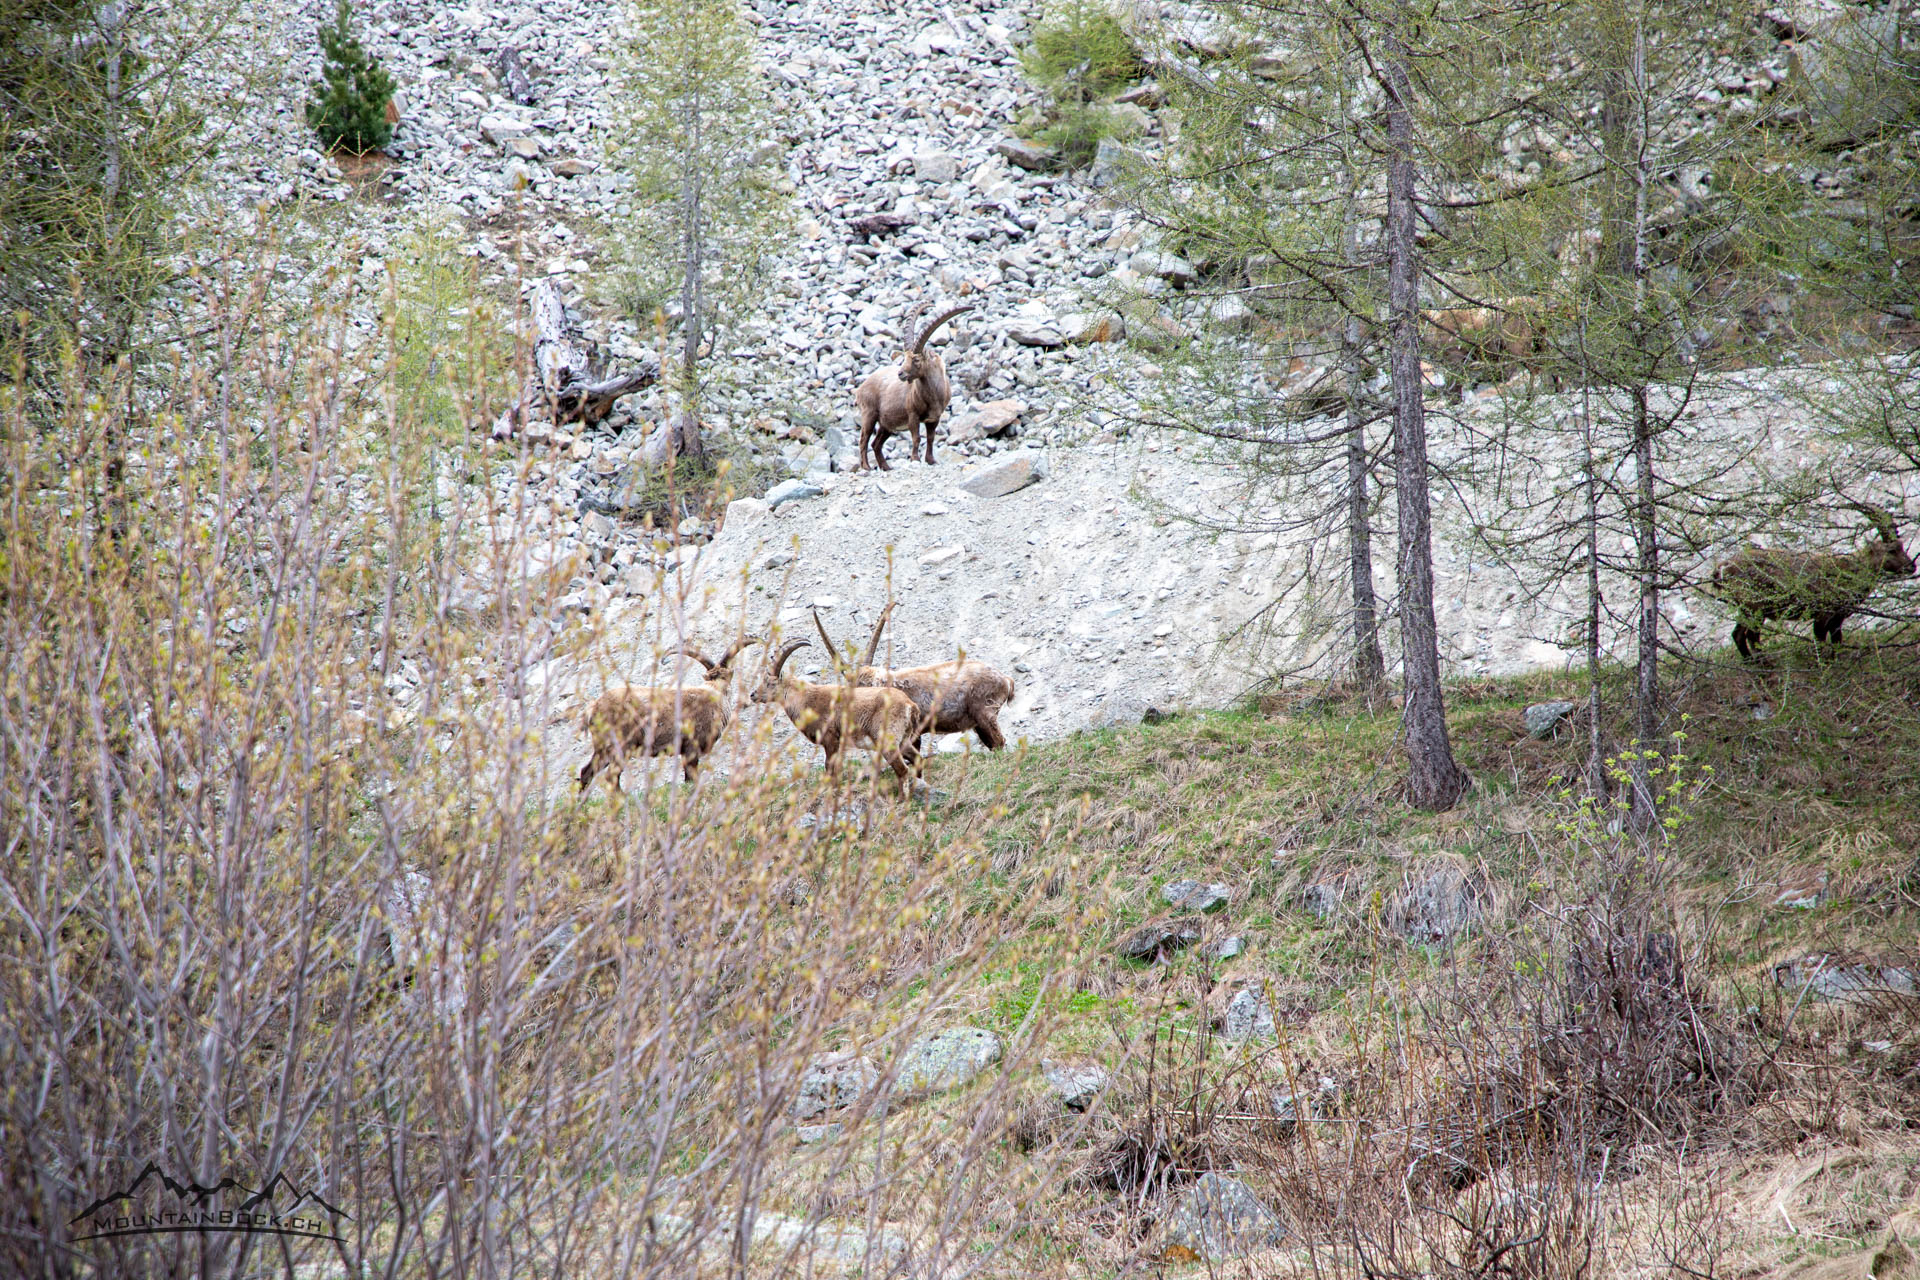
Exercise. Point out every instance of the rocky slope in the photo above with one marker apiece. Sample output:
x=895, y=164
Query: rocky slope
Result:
x=1080, y=584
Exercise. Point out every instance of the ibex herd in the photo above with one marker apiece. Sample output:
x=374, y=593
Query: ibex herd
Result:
x=886, y=711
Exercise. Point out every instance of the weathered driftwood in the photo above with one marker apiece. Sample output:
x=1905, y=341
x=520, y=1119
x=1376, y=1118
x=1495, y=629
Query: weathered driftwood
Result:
x=513, y=77
x=567, y=381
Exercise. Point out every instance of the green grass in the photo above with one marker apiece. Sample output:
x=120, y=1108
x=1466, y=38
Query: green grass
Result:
x=1091, y=827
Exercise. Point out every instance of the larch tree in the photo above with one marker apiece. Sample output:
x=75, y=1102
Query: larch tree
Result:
x=692, y=125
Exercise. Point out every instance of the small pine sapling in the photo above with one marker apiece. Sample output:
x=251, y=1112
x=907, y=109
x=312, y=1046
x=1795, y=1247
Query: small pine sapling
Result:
x=349, y=105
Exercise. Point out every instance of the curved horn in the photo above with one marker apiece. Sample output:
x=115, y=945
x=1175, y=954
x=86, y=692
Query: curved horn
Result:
x=700, y=658
x=910, y=325
x=873, y=641
x=936, y=322
x=733, y=651
x=785, y=652
x=833, y=650
x=1881, y=519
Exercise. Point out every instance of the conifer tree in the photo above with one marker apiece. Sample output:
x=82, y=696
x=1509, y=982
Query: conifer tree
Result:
x=691, y=130
x=349, y=106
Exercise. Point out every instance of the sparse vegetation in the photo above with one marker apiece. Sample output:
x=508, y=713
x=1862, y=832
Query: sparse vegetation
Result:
x=1081, y=56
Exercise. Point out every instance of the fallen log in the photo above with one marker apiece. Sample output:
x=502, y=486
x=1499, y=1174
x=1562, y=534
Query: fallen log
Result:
x=513, y=77
x=566, y=379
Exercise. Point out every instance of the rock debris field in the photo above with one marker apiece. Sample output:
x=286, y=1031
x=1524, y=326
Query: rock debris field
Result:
x=1045, y=541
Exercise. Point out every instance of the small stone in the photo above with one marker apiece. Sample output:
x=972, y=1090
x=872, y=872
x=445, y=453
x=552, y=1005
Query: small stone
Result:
x=1159, y=939
x=1076, y=1084
x=1006, y=474
x=500, y=130
x=1230, y=315
x=993, y=419
x=1172, y=268
x=1438, y=906
x=1093, y=326
x=935, y=166
x=1320, y=900
x=833, y=1081
x=1218, y=1219
x=940, y=555
x=1192, y=895
x=1862, y=981
x=570, y=167
x=1032, y=334
x=1249, y=1017
x=811, y=1133
x=1227, y=948
x=525, y=148
x=1545, y=718
x=1028, y=155
x=795, y=490
x=947, y=1059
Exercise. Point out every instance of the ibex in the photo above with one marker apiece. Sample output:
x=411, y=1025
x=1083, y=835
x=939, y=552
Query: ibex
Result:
x=832, y=716
x=957, y=696
x=639, y=720
x=907, y=397
x=1762, y=583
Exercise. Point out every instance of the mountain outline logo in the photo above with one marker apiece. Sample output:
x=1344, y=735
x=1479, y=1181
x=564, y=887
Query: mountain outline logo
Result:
x=200, y=1211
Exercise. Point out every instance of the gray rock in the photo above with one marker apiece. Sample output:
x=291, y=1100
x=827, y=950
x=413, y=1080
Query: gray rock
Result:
x=1028, y=155
x=1249, y=1017
x=1032, y=333
x=1321, y=899
x=812, y=1133
x=1160, y=938
x=1076, y=1084
x=500, y=130
x=1318, y=1103
x=1227, y=948
x=1170, y=267
x=794, y=490
x=1438, y=905
x=1230, y=315
x=1545, y=718
x=1006, y=474
x=1218, y=1219
x=993, y=419
x=1192, y=895
x=947, y=1059
x=1093, y=326
x=833, y=1081
x=1865, y=981
x=935, y=166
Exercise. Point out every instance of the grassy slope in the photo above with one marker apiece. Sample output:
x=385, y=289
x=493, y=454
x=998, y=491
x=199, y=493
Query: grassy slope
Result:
x=1815, y=771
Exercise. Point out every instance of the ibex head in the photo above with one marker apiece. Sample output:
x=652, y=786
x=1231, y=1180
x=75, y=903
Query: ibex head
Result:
x=914, y=360
x=723, y=669
x=1888, y=556
x=768, y=690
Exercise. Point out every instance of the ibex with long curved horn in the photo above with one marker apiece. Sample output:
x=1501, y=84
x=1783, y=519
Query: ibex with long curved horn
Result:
x=1762, y=582
x=639, y=720
x=834, y=716
x=960, y=695
x=908, y=397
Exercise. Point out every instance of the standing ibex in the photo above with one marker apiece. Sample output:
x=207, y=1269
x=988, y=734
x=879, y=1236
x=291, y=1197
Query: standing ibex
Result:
x=907, y=397
x=638, y=720
x=832, y=716
x=956, y=696
x=1762, y=583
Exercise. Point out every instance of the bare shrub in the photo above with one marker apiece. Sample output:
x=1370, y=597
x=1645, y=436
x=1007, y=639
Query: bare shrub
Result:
x=291, y=893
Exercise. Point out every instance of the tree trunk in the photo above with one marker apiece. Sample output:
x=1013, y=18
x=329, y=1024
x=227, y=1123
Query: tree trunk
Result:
x=1369, y=667
x=1434, y=781
x=1646, y=681
x=1596, y=769
x=563, y=377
